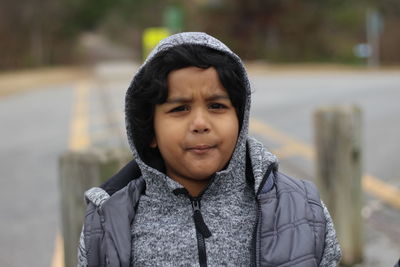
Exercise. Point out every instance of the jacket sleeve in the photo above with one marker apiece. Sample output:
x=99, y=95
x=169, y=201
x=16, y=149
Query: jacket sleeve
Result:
x=332, y=253
x=82, y=254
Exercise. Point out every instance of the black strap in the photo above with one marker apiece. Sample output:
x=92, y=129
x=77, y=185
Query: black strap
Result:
x=128, y=173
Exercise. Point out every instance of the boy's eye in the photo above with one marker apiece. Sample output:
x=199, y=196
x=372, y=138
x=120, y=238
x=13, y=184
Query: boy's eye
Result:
x=217, y=106
x=180, y=109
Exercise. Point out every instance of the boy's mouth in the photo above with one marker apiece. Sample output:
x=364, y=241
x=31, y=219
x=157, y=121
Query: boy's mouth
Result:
x=201, y=149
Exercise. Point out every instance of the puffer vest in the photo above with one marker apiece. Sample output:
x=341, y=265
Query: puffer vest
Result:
x=290, y=229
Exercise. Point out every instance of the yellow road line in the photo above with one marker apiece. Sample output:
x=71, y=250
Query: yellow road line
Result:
x=79, y=136
x=79, y=139
x=261, y=128
x=58, y=256
x=285, y=151
x=385, y=192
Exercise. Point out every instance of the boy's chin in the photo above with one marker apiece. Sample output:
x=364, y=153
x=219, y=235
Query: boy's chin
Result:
x=197, y=176
x=196, y=173
x=201, y=175
x=205, y=171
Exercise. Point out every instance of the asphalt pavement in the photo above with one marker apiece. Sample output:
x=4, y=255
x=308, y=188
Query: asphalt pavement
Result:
x=37, y=126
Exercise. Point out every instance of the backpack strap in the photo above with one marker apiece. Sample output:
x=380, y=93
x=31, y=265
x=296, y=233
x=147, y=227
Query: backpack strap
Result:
x=118, y=181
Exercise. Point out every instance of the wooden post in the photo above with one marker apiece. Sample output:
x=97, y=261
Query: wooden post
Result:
x=78, y=172
x=338, y=173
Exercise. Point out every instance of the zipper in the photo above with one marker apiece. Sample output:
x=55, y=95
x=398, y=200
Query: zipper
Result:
x=202, y=231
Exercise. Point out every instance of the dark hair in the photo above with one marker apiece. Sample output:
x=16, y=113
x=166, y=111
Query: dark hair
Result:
x=149, y=88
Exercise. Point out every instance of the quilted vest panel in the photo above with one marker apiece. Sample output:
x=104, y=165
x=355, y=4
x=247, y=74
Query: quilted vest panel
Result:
x=291, y=225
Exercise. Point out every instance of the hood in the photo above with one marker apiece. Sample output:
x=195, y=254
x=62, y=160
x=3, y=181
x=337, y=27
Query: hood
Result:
x=237, y=162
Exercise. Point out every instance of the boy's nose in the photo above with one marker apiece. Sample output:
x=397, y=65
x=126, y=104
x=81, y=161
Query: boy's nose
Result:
x=200, y=123
x=201, y=130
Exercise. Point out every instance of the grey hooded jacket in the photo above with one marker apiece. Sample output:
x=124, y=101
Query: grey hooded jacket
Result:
x=267, y=219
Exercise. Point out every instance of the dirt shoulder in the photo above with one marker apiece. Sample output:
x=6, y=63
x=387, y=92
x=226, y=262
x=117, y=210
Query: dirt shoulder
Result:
x=15, y=82
x=29, y=80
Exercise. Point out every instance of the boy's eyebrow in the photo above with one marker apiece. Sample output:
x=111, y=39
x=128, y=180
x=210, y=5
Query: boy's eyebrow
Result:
x=217, y=97
x=177, y=100
x=213, y=97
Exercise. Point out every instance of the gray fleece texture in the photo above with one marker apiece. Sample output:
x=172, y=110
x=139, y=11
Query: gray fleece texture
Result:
x=163, y=231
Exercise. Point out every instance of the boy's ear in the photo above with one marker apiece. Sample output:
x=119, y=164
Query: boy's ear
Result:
x=153, y=143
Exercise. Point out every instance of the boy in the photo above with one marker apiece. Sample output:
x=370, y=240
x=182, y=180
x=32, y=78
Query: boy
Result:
x=206, y=194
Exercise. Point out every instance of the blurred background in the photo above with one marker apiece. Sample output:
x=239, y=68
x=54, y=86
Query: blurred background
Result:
x=65, y=66
x=44, y=32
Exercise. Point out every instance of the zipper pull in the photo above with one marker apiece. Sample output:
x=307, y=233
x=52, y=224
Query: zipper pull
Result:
x=198, y=219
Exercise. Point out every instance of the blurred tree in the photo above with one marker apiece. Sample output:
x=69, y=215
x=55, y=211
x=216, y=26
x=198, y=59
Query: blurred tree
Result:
x=390, y=39
x=290, y=30
x=26, y=32
x=37, y=32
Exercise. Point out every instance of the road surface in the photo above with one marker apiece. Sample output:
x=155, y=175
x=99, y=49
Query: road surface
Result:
x=43, y=122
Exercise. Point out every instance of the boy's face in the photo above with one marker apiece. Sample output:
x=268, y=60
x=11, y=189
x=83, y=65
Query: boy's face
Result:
x=196, y=129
